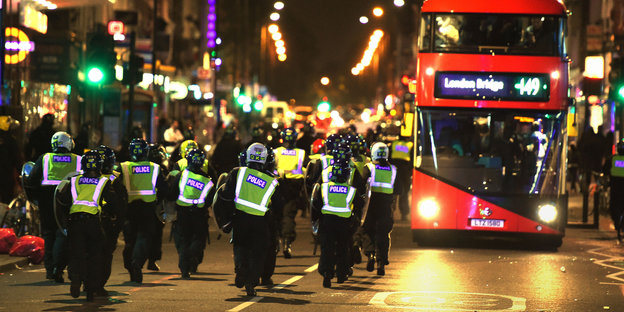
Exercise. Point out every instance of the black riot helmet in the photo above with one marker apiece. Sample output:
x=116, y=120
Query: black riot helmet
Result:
x=341, y=151
x=108, y=158
x=289, y=136
x=91, y=163
x=195, y=159
x=156, y=154
x=138, y=150
x=331, y=142
x=340, y=170
x=620, y=148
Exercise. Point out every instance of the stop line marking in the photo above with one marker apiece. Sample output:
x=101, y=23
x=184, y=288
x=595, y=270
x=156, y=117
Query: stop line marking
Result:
x=279, y=286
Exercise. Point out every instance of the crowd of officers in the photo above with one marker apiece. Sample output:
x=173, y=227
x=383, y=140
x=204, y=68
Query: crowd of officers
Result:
x=85, y=202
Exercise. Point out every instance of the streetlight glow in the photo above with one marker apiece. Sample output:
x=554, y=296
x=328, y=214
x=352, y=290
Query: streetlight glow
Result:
x=273, y=28
x=280, y=5
x=324, y=81
x=281, y=57
x=378, y=12
x=277, y=36
x=279, y=43
x=355, y=71
x=363, y=19
x=399, y=3
x=280, y=50
x=274, y=16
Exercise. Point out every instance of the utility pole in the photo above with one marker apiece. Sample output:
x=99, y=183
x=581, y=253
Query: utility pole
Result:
x=131, y=81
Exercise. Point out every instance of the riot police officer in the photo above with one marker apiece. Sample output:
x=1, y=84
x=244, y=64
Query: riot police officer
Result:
x=247, y=195
x=317, y=164
x=615, y=169
x=84, y=196
x=158, y=155
x=378, y=223
x=290, y=162
x=401, y=158
x=112, y=219
x=144, y=185
x=47, y=173
x=189, y=189
x=275, y=225
x=334, y=203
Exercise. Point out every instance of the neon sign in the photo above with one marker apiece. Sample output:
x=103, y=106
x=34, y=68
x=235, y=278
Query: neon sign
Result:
x=12, y=32
x=493, y=86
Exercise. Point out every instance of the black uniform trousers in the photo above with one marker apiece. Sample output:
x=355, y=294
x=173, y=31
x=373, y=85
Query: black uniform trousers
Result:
x=272, y=249
x=251, y=240
x=86, y=241
x=55, y=242
x=616, y=201
x=404, y=176
x=138, y=232
x=155, y=248
x=111, y=228
x=377, y=226
x=335, y=236
x=293, y=199
x=190, y=232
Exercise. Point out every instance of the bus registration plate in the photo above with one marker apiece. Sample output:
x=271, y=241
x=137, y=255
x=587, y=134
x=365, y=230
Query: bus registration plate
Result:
x=487, y=223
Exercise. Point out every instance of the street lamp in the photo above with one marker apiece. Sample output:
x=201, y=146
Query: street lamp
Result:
x=324, y=81
x=280, y=5
x=273, y=28
x=363, y=19
x=399, y=3
x=274, y=16
x=281, y=57
x=378, y=12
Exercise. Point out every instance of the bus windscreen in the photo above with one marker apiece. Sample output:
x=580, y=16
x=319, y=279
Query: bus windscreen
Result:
x=492, y=33
x=492, y=152
x=493, y=86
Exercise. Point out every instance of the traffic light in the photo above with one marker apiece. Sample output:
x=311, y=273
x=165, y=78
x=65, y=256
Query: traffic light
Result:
x=134, y=68
x=324, y=105
x=100, y=59
x=616, y=92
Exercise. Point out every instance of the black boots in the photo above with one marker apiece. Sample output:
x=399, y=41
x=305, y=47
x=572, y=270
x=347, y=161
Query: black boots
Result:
x=370, y=265
x=287, y=249
x=151, y=265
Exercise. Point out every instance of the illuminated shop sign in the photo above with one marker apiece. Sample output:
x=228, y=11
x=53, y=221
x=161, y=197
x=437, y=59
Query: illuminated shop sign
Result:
x=493, y=86
x=23, y=45
x=32, y=18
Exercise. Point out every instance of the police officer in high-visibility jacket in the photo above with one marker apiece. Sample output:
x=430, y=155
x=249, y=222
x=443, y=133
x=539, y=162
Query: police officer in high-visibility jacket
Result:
x=378, y=223
x=290, y=162
x=47, y=173
x=401, y=158
x=359, y=158
x=85, y=196
x=249, y=192
x=615, y=168
x=334, y=204
x=322, y=161
x=145, y=186
x=192, y=190
x=112, y=219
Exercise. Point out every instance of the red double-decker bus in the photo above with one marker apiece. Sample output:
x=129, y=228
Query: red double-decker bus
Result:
x=490, y=128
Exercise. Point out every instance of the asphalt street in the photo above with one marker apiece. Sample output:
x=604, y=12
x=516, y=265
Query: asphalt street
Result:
x=585, y=274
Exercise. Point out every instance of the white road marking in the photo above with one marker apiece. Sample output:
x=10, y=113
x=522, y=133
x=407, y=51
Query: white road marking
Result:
x=604, y=263
x=276, y=287
x=379, y=300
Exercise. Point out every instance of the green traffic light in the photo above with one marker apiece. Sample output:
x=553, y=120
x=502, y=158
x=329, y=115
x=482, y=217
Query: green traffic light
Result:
x=95, y=75
x=258, y=105
x=323, y=107
x=620, y=92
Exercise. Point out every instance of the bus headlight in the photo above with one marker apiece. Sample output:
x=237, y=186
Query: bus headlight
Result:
x=428, y=208
x=547, y=213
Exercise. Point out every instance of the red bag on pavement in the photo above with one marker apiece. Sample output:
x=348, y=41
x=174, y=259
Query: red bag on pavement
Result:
x=28, y=246
x=7, y=239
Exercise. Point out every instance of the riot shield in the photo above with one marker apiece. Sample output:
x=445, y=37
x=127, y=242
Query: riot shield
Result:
x=366, y=200
x=24, y=176
x=166, y=211
x=61, y=210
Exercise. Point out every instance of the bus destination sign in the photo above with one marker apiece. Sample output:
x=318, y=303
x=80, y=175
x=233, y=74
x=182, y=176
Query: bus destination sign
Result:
x=493, y=86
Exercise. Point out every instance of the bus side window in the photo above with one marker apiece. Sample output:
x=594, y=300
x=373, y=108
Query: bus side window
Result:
x=424, y=38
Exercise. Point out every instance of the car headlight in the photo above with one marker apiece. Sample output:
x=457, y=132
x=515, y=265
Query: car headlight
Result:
x=547, y=213
x=428, y=208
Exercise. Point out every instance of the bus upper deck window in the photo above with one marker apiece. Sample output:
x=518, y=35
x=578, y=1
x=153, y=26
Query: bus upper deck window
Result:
x=424, y=38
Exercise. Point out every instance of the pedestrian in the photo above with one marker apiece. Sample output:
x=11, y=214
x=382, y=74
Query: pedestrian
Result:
x=46, y=174
x=290, y=162
x=84, y=197
x=306, y=139
x=189, y=189
x=173, y=136
x=573, y=166
x=401, y=158
x=10, y=158
x=112, y=218
x=334, y=203
x=246, y=195
x=145, y=185
x=39, y=139
x=378, y=223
